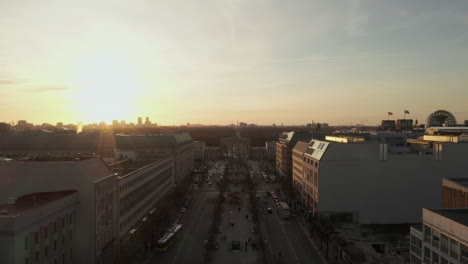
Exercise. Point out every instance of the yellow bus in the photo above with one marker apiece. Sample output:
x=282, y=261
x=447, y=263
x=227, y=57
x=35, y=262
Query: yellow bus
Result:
x=169, y=238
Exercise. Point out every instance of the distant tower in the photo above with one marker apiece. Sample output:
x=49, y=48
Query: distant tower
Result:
x=147, y=121
x=140, y=121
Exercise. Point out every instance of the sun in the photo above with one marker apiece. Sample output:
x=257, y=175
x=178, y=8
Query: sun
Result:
x=106, y=89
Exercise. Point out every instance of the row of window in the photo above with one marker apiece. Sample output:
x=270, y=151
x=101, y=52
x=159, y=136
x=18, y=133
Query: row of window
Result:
x=447, y=245
x=62, y=260
x=144, y=208
x=129, y=201
x=45, y=231
x=137, y=180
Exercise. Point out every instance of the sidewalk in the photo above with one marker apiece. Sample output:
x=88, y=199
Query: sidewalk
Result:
x=241, y=231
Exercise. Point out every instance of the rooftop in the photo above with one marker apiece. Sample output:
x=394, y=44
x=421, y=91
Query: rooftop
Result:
x=461, y=181
x=125, y=167
x=31, y=201
x=459, y=215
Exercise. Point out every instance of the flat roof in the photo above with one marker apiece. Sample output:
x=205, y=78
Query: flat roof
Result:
x=459, y=215
x=126, y=167
x=461, y=181
x=31, y=201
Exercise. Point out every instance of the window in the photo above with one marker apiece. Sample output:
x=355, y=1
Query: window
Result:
x=55, y=244
x=435, y=238
x=45, y=232
x=454, y=249
x=463, y=254
x=427, y=255
x=36, y=237
x=435, y=257
x=46, y=251
x=427, y=233
x=444, y=243
x=443, y=260
x=36, y=257
x=26, y=243
x=55, y=227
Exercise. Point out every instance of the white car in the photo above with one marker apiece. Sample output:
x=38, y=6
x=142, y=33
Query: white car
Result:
x=183, y=210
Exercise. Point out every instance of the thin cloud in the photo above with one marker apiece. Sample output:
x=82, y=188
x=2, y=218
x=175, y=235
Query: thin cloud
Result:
x=49, y=89
x=8, y=82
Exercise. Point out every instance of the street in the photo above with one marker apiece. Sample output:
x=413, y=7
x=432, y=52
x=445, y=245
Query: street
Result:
x=286, y=239
x=197, y=221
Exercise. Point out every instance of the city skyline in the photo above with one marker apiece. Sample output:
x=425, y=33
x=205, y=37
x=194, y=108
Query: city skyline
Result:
x=220, y=62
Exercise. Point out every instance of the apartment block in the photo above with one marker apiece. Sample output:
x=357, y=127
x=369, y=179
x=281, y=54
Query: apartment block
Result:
x=362, y=182
x=442, y=238
x=39, y=228
x=93, y=217
x=199, y=150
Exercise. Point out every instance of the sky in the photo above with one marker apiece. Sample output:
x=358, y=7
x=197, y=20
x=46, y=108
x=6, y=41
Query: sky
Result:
x=223, y=61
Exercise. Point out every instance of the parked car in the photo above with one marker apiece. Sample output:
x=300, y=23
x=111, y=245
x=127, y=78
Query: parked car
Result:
x=183, y=210
x=269, y=210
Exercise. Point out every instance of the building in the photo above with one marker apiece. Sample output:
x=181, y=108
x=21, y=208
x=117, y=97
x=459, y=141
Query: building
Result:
x=38, y=228
x=404, y=125
x=434, y=135
x=199, y=150
x=140, y=121
x=58, y=144
x=454, y=192
x=304, y=187
x=236, y=147
x=441, y=118
x=180, y=146
x=213, y=153
x=92, y=231
x=103, y=205
x=5, y=128
x=284, y=146
x=442, y=237
x=270, y=147
x=141, y=185
x=388, y=125
x=147, y=121
x=363, y=182
x=258, y=153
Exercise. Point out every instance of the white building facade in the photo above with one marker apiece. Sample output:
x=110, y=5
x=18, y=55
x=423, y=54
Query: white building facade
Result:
x=443, y=237
x=365, y=184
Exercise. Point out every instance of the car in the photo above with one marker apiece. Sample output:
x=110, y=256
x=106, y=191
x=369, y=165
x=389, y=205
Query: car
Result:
x=259, y=196
x=183, y=210
x=269, y=210
x=209, y=183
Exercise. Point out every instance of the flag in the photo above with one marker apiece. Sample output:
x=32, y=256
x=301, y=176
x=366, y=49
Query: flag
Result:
x=406, y=112
x=390, y=113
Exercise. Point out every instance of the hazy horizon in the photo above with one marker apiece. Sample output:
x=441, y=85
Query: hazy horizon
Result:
x=222, y=61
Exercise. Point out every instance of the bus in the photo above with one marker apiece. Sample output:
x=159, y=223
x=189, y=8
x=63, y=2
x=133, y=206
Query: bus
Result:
x=284, y=210
x=169, y=238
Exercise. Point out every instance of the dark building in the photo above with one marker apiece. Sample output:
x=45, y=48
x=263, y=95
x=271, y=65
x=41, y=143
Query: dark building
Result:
x=4, y=128
x=284, y=146
x=404, y=125
x=441, y=118
x=236, y=147
x=455, y=193
x=388, y=125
